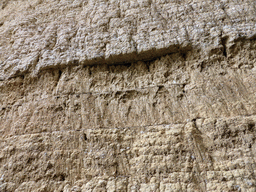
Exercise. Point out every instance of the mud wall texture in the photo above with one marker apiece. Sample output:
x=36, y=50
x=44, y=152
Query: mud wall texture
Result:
x=138, y=95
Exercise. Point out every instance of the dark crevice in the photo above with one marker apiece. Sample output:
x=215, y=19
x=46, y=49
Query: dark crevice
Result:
x=224, y=44
x=60, y=73
x=251, y=126
x=85, y=137
x=76, y=62
x=184, y=55
x=126, y=64
x=59, y=177
x=62, y=177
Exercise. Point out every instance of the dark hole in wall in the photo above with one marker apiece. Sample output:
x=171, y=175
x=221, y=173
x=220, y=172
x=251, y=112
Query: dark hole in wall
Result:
x=59, y=177
x=251, y=126
x=184, y=55
x=76, y=62
x=85, y=137
x=224, y=44
x=62, y=177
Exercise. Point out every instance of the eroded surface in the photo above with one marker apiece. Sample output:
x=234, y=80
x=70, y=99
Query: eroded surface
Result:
x=172, y=124
x=127, y=95
x=41, y=34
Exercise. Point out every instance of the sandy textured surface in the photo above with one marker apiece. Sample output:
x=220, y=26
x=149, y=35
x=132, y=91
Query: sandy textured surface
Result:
x=122, y=96
x=41, y=34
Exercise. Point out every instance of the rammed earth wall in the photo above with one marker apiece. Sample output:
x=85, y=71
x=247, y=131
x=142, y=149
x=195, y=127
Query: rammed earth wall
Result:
x=146, y=95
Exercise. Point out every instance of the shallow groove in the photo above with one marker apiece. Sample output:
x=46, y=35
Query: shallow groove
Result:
x=98, y=128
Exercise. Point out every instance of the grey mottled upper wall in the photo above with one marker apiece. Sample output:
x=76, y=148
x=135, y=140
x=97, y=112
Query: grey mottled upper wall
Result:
x=41, y=34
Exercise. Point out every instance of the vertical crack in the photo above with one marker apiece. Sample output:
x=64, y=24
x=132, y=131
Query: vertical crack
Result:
x=224, y=44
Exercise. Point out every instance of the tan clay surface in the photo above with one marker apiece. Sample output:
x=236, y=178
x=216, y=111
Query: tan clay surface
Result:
x=146, y=95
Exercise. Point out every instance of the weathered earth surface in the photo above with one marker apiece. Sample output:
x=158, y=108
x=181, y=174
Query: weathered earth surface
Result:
x=138, y=95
